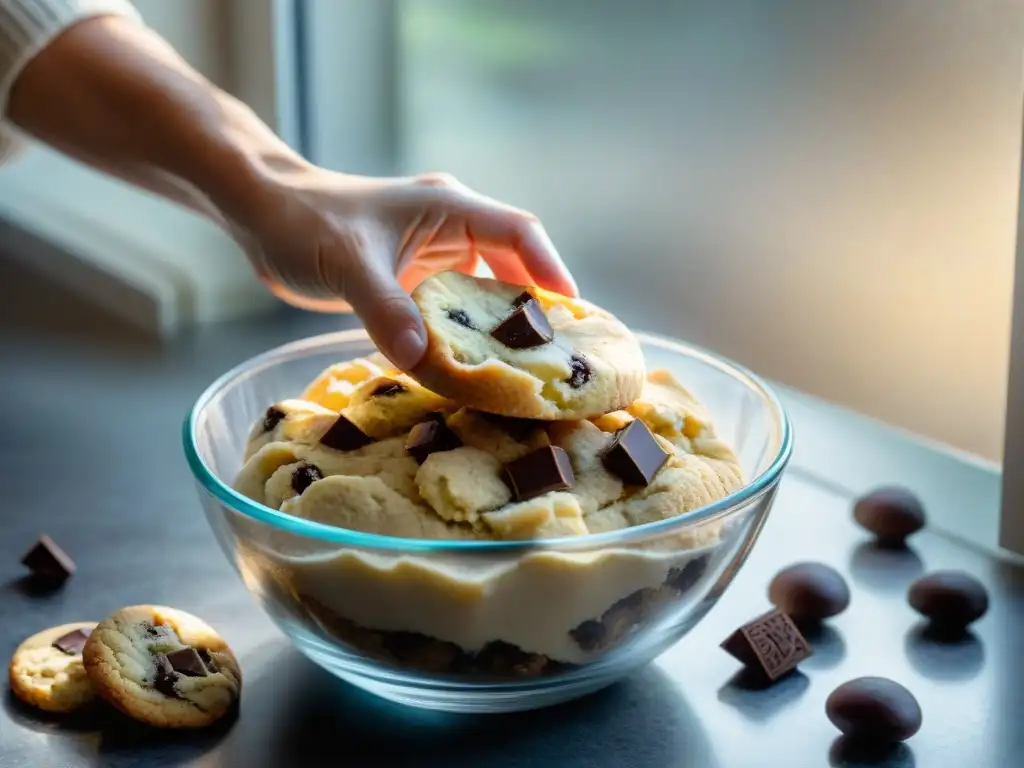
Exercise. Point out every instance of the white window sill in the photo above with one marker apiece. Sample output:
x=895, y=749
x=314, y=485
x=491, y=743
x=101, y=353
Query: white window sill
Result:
x=152, y=263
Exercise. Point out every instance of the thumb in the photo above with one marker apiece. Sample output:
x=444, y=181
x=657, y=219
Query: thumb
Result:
x=391, y=317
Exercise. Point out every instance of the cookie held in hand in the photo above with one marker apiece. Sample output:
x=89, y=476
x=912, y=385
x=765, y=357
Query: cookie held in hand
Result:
x=526, y=353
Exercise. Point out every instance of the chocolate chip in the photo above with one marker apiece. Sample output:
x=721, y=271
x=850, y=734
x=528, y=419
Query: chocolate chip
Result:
x=165, y=676
x=48, y=561
x=546, y=469
x=345, y=436
x=73, y=642
x=581, y=371
x=874, y=709
x=522, y=298
x=272, y=418
x=525, y=328
x=951, y=600
x=891, y=514
x=516, y=428
x=634, y=456
x=809, y=592
x=188, y=662
x=770, y=645
x=388, y=389
x=459, y=316
x=429, y=437
x=305, y=476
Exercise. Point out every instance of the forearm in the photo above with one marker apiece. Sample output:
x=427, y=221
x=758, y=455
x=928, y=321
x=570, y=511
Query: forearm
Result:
x=114, y=95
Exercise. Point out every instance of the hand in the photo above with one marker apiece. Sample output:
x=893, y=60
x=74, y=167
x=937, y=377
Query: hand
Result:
x=328, y=242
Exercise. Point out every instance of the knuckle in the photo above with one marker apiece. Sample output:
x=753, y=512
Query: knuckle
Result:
x=439, y=180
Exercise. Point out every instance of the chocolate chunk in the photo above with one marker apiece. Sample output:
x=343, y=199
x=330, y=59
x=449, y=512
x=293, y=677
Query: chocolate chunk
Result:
x=459, y=316
x=73, y=642
x=809, y=592
x=522, y=298
x=48, y=561
x=272, y=418
x=345, y=436
x=635, y=456
x=525, y=328
x=951, y=600
x=546, y=469
x=165, y=676
x=581, y=371
x=516, y=428
x=188, y=662
x=874, y=709
x=305, y=476
x=891, y=514
x=429, y=437
x=771, y=645
x=388, y=389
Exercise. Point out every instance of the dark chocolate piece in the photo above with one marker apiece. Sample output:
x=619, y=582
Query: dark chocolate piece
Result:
x=771, y=645
x=581, y=371
x=165, y=676
x=546, y=469
x=518, y=429
x=809, y=592
x=951, y=600
x=459, y=316
x=522, y=298
x=891, y=514
x=429, y=437
x=635, y=456
x=525, y=328
x=188, y=662
x=874, y=710
x=48, y=561
x=305, y=476
x=345, y=436
x=388, y=389
x=73, y=642
x=272, y=418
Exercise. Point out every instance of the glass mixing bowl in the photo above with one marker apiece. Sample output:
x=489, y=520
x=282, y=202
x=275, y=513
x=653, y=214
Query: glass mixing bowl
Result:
x=487, y=626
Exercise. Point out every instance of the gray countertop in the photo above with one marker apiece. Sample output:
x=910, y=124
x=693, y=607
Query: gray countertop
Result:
x=90, y=455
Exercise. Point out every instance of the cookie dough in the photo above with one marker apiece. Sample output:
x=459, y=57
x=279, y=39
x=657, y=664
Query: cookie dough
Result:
x=582, y=363
x=163, y=667
x=46, y=670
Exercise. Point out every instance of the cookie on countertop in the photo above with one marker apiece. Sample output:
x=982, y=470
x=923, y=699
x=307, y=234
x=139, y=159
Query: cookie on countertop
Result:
x=46, y=670
x=526, y=353
x=163, y=667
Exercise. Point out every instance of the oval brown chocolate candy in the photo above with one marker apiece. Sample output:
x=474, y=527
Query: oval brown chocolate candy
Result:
x=809, y=592
x=875, y=710
x=892, y=514
x=951, y=600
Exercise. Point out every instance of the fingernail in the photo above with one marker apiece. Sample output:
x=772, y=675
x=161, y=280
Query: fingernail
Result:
x=407, y=349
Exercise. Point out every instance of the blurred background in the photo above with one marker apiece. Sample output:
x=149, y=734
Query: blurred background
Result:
x=823, y=190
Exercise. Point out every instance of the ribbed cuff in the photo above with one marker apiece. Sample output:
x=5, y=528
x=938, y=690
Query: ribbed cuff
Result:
x=28, y=26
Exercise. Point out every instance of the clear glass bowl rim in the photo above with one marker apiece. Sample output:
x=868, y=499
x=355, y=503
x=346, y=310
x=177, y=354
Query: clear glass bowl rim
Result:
x=326, y=533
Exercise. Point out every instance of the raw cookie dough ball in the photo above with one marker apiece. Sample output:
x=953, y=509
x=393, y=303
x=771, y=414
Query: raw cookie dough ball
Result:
x=553, y=358
x=544, y=517
x=594, y=486
x=462, y=483
x=296, y=420
x=386, y=406
x=505, y=438
x=46, y=670
x=163, y=667
x=335, y=385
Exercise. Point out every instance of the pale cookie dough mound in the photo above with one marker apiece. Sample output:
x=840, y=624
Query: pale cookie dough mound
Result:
x=334, y=386
x=553, y=358
x=368, y=505
x=595, y=486
x=505, y=438
x=461, y=483
x=297, y=420
x=391, y=405
x=46, y=670
x=163, y=667
x=549, y=516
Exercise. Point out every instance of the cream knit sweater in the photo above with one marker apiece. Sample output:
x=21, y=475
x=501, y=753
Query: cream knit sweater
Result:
x=26, y=26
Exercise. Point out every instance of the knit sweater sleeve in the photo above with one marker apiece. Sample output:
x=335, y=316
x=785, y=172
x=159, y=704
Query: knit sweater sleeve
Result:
x=26, y=27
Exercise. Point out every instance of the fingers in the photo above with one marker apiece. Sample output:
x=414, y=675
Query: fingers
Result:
x=513, y=242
